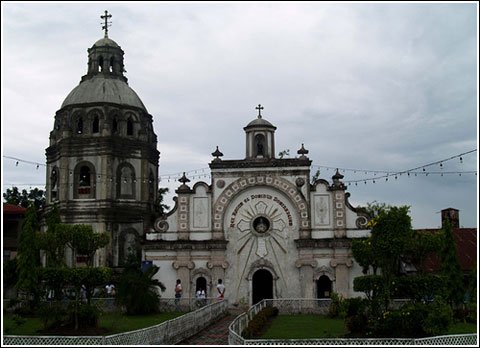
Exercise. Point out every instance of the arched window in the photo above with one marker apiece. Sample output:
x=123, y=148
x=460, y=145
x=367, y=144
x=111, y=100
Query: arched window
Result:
x=129, y=126
x=96, y=124
x=54, y=184
x=110, y=67
x=84, y=184
x=84, y=179
x=100, y=63
x=260, y=143
x=126, y=181
x=80, y=126
x=114, y=126
x=151, y=186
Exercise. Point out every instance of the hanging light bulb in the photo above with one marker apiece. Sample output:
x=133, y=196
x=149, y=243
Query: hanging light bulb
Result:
x=461, y=159
x=16, y=164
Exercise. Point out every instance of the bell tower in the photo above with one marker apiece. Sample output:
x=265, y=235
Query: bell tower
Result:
x=260, y=134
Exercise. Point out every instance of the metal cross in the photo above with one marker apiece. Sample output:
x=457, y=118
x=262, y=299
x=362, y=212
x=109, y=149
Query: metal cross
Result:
x=259, y=108
x=107, y=24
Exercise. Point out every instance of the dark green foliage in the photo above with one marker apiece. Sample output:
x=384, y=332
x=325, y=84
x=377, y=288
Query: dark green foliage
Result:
x=25, y=199
x=10, y=276
x=160, y=206
x=138, y=291
x=29, y=257
x=413, y=320
x=337, y=308
x=258, y=322
x=450, y=268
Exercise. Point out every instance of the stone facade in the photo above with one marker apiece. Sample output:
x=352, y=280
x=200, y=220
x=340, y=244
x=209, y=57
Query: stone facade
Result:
x=102, y=162
x=261, y=227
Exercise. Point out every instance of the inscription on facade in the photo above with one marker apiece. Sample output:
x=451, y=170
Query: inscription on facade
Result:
x=261, y=196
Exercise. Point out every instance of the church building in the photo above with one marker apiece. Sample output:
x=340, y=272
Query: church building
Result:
x=102, y=162
x=260, y=225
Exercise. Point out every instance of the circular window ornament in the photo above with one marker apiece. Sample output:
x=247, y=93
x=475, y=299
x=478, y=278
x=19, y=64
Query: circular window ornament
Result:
x=261, y=224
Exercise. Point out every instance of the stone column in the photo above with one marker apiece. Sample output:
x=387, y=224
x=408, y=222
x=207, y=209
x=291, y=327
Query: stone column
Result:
x=307, y=281
x=342, y=279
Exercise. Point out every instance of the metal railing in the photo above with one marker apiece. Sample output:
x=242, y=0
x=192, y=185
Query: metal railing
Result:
x=169, y=332
x=320, y=306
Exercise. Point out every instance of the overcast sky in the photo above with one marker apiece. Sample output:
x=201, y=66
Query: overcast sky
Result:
x=365, y=86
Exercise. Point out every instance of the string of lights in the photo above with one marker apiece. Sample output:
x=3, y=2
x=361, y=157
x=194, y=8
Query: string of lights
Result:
x=200, y=173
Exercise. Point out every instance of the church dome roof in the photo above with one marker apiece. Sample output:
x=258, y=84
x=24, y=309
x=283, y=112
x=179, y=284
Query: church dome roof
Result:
x=260, y=122
x=106, y=42
x=102, y=89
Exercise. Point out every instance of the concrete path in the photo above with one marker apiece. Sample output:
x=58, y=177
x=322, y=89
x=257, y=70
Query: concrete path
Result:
x=214, y=334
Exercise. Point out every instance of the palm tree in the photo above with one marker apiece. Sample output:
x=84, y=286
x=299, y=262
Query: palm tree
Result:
x=137, y=290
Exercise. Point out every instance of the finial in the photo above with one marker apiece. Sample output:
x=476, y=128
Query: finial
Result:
x=106, y=16
x=184, y=179
x=303, y=151
x=217, y=154
x=259, y=108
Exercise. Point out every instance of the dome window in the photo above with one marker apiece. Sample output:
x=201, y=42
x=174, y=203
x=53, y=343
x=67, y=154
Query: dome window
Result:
x=129, y=126
x=80, y=126
x=95, y=124
x=114, y=126
x=100, y=64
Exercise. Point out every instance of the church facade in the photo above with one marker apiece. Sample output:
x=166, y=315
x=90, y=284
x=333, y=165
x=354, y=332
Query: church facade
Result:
x=260, y=225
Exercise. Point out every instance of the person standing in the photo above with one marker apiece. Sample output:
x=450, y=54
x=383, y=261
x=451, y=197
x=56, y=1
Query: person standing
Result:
x=221, y=290
x=178, y=294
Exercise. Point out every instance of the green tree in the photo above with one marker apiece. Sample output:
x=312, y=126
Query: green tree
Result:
x=81, y=240
x=134, y=281
x=450, y=268
x=24, y=198
x=316, y=176
x=160, y=205
x=284, y=153
x=28, y=257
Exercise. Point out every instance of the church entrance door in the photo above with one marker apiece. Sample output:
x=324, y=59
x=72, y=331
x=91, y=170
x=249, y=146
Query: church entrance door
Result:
x=262, y=285
x=324, y=287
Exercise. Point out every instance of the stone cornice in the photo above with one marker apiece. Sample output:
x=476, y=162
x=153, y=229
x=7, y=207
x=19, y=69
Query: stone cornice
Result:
x=260, y=163
x=185, y=245
x=323, y=243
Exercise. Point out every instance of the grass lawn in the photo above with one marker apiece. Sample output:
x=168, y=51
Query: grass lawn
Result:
x=113, y=322
x=304, y=326
x=462, y=328
x=315, y=326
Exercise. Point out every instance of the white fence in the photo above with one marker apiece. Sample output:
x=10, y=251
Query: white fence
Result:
x=320, y=306
x=169, y=332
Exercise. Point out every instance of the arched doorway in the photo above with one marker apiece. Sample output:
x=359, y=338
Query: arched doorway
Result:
x=324, y=287
x=201, y=284
x=262, y=285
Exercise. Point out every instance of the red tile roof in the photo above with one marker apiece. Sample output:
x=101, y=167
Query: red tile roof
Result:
x=11, y=209
x=465, y=247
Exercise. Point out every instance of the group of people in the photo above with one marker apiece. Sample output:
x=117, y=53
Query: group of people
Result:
x=200, y=295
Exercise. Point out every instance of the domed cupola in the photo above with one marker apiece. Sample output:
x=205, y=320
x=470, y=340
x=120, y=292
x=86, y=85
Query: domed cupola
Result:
x=260, y=138
x=104, y=81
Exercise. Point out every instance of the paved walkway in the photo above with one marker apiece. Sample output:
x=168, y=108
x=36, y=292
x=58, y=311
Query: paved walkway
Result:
x=214, y=334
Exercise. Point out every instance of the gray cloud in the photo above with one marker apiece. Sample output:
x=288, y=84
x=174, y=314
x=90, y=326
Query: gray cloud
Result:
x=387, y=86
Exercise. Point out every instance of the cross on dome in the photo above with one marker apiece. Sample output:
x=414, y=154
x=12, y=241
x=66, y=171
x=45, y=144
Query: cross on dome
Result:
x=106, y=16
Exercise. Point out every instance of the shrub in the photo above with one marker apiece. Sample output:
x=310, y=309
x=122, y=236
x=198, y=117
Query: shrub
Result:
x=258, y=322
